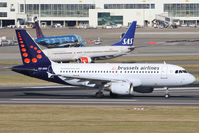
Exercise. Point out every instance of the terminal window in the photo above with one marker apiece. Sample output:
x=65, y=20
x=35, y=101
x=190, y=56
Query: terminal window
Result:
x=104, y=18
x=129, y=6
x=59, y=10
x=182, y=10
x=3, y=4
x=3, y=14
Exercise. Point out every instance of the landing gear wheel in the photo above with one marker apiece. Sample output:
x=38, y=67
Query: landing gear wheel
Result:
x=167, y=93
x=113, y=95
x=167, y=96
x=99, y=94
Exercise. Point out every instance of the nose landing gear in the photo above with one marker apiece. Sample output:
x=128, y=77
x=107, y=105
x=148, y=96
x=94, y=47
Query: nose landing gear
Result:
x=167, y=92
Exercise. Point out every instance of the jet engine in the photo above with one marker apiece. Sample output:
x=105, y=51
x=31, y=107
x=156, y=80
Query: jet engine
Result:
x=84, y=60
x=143, y=89
x=121, y=88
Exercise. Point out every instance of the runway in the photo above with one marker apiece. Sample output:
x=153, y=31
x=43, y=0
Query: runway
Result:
x=179, y=42
x=68, y=95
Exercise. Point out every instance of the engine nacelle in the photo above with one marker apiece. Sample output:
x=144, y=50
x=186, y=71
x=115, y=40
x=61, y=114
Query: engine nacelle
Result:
x=143, y=89
x=121, y=88
x=84, y=60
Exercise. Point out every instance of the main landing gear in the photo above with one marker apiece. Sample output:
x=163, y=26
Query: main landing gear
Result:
x=100, y=93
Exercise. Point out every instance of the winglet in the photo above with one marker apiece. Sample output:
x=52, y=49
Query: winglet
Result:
x=128, y=38
x=39, y=33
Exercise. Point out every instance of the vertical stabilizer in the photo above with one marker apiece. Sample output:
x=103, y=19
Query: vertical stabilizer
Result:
x=39, y=33
x=31, y=54
x=128, y=38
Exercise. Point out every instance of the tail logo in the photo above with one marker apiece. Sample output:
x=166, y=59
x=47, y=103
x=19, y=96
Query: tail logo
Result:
x=24, y=50
x=128, y=41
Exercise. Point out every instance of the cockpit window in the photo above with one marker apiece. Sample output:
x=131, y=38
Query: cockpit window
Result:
x=180, y=71
x=184, y=71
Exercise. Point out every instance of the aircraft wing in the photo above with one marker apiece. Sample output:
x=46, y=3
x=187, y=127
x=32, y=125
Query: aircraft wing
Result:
x=85, y=78
x=75, y=79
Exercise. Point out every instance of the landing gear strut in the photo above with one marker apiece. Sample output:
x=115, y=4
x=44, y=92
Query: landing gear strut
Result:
x=100, y=93
x=167, y=92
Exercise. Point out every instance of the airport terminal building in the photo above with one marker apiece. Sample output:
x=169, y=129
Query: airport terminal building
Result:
x=98, y=13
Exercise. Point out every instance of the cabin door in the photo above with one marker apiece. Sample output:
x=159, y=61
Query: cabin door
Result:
x=164, y=72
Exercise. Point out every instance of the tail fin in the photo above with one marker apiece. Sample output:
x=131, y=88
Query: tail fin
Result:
x=31, y=54
x=128, y=38
x=39, y=33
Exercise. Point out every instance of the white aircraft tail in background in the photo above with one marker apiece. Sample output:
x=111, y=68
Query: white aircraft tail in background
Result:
x=90, y=54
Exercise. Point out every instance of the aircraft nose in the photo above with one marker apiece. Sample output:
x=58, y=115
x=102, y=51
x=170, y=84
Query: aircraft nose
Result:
x=191, y=79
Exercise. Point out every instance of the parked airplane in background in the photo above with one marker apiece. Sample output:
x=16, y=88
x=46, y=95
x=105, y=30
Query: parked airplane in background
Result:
x=118, y=78
x=90, y=54
x=57, y=41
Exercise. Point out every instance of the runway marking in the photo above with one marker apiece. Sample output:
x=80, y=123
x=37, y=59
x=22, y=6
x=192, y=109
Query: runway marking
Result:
x=32, y=87
x=81, y=100
x=133, y=102
x=179, y=88
x=95, y=102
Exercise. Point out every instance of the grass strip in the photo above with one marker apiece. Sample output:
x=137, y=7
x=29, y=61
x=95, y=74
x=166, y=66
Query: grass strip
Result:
x=98, y=119
x=18, y=80
x=148, y=59
x=126, y=59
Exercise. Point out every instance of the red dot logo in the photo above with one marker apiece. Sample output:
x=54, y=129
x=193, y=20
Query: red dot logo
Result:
x=34, y=60
x=26, y=60
x=23, y=50
x=35, y=48
x=21, y=41
x=20, y=38
x=25, y=54
x=31, y=46
x=22, y=45
x=39, y=56
x=38, y=51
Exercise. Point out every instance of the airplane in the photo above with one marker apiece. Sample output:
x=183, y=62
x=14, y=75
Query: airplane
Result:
x=57, y=41
x=117, y=78
x=90, y=54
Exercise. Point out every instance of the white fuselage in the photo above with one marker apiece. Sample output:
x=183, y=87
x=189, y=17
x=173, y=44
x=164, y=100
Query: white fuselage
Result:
x=73, y=54
x=138, y=74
